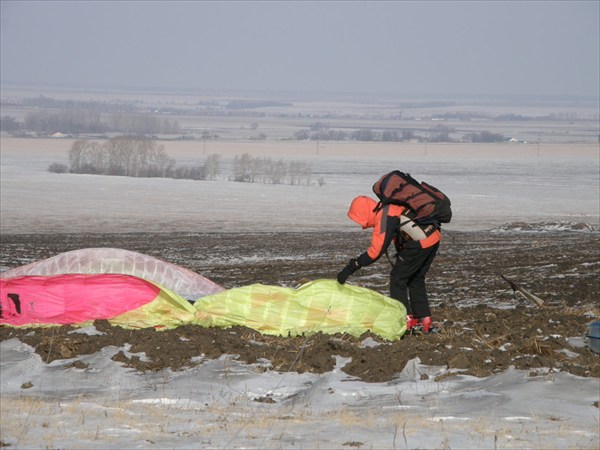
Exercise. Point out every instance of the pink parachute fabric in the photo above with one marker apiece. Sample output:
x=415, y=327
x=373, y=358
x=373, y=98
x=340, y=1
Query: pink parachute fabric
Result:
x=78, y=298
x=181, y=281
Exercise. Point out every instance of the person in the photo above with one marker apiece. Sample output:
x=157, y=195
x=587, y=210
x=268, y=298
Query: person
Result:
x=416, y=248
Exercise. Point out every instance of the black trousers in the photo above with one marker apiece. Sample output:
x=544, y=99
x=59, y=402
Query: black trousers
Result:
x=407, y=278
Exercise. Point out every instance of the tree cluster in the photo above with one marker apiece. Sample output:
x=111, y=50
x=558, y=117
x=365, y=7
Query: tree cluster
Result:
x=208, y=171
x=249, y=169
x=133, y=157
x=320, y=135
x=485, y=137
x=9, y=124
x=124, y=155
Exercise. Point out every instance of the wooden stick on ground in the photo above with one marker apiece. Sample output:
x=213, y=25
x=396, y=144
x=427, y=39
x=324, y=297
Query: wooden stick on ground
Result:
x=525, y=293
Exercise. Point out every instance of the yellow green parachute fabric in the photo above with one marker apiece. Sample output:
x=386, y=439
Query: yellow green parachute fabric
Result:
x=321, y=305
x=168, y=310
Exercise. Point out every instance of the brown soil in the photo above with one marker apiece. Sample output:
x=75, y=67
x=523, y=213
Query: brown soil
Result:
x=485, y=327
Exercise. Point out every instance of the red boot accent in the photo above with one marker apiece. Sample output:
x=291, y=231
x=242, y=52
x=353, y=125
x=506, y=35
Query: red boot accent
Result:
x=426, y=324
x=411, y=322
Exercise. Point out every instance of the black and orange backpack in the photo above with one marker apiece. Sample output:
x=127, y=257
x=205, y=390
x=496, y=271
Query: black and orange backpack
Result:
x=429, y=204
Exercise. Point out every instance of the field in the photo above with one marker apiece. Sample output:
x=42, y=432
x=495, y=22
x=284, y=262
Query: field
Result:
x=474, y=305
x=502, y=373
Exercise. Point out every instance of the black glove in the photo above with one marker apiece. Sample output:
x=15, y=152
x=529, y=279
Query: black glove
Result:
x=352, y=267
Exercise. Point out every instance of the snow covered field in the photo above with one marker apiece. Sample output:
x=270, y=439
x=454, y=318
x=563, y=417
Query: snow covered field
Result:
x=489, y=185
x=217, y=404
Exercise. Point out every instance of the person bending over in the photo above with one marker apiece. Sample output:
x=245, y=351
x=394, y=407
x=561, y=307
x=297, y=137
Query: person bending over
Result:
x=416, y=247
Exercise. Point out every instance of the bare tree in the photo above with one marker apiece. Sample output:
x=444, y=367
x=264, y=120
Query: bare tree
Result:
x=299, y=173
x=241, y=167
x=75, y=155
x=279, y=172
x=212, y=165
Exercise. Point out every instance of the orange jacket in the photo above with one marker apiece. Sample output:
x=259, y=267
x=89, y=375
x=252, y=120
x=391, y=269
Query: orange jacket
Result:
x=386, y=222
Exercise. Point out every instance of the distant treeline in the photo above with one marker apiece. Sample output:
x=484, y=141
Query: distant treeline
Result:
x=78, y=105
x=439, y=133
x=86, y=117
x=83, y=122
x=133, y=156
x=251, y=104
x=87, y=122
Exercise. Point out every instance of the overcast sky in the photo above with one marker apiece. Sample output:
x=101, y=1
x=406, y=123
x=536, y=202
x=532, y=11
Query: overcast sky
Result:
x=414, y=48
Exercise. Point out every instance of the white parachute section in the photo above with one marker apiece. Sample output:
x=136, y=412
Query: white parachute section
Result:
x=179, y=280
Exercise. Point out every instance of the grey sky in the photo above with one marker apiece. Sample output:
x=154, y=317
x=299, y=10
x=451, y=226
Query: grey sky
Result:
x=427, y=47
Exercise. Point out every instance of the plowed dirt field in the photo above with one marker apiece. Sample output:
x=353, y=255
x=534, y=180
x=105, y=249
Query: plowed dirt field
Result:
x=486, y=327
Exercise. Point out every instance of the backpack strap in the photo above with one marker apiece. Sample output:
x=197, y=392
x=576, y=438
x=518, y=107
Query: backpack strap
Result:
x=430, y=221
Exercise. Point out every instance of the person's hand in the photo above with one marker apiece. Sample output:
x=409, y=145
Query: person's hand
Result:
x=350, y=268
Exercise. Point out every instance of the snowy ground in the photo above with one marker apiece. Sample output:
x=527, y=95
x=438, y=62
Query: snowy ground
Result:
x=215, y=405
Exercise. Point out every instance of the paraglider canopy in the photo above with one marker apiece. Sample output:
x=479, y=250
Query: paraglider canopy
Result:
x=184, y=282
x=77, y=298
x=135, y=290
